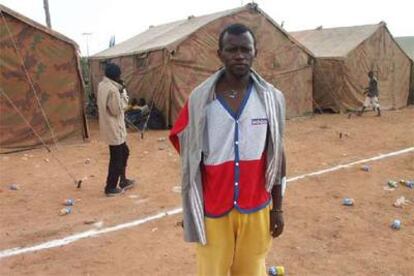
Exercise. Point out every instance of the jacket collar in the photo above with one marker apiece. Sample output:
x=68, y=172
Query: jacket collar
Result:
x=210, y=84
x=106, y=79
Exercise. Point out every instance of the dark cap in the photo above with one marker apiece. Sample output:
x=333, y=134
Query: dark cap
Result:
x=112, y=71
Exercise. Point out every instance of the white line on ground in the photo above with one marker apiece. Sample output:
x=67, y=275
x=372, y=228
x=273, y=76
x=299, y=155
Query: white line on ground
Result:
x=343, y=166
x=98, y=232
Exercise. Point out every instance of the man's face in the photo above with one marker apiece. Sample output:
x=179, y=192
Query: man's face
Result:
x=237, y=53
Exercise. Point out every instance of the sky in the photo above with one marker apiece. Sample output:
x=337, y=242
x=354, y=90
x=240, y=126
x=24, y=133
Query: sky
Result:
x=127, y=18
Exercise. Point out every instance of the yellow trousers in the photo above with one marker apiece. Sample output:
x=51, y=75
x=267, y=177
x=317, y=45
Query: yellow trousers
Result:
x=237, y=245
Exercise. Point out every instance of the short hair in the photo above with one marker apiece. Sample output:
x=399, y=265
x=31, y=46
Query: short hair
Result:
x=112, y=71
x=371, y=73
x=235, y=29
x=134, y=101
x=142, y=102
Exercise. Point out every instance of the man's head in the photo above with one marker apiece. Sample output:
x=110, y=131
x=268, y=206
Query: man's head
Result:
x=113, y=72
x=237, y=49
x=134, y=101
x=142, y=102
x=370, y=74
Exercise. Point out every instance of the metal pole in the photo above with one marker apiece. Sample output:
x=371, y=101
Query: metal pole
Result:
x=47, y=13
x=87, y=42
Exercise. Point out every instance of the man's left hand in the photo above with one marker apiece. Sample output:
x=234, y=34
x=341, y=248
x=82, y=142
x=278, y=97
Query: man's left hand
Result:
x=276, y=223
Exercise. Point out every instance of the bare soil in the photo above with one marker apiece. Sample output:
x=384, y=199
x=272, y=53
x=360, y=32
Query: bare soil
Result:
x=322, y=237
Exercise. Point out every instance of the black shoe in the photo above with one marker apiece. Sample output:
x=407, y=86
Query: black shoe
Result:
x=127, y=184
x=113, y=192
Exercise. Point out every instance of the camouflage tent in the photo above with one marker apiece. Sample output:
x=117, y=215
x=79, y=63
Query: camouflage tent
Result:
x=407, y=43
x=166, y=62
x=41, y=89
x=344, y=56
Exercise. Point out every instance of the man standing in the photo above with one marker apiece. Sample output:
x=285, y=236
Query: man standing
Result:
x=372, y=95
x=112, y=99
x=230, y=139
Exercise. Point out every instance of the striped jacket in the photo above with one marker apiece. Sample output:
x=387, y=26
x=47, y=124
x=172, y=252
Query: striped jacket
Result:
x=188, y=140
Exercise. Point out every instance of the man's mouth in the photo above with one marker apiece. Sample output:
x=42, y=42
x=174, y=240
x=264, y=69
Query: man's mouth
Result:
x=240, y=65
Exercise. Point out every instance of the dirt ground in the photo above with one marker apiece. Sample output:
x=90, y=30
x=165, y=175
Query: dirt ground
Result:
x=321, y=237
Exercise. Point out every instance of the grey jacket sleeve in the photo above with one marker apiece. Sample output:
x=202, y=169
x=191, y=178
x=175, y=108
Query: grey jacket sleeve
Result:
x=188, y=220
x=281, y=179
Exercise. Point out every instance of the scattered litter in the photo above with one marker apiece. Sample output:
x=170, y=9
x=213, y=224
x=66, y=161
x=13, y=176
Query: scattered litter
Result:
x=69, y=202
x=386, y=188
x=365, y=168
x=347, y=201
x=407, y=183
x=98, y=224
x=87, y=161
x=133, y=196
x=276, y=271
x=343, y=134
x=92, y=175
x=78, y=183
x=47, y=160
x=400, y=202
x=396, y=224
x=180, y=223
x=176, y=189
x=65, y=211
x=14, y=187
x=392, y=183
x=160, y=148
x=161, y=139
x=90, y=221
x=154, y=229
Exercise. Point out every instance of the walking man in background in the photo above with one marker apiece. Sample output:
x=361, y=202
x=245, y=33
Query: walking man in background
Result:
x=372, y=94
x=112, y=99
x=230, y=139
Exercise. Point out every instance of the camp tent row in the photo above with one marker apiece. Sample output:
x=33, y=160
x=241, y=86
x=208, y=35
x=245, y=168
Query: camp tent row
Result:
x=322, y=68
x=407, y=43
x=345, y=55
x=165, y=63
x=36, y=61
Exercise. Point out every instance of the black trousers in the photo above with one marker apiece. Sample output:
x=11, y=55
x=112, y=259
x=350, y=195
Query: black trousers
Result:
x=118, y=157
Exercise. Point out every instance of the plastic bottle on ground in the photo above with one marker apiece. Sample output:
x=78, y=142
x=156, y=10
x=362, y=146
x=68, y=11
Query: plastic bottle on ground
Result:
x=276, y=271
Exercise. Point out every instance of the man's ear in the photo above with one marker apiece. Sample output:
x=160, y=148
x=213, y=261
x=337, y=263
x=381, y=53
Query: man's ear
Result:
x=219, y=55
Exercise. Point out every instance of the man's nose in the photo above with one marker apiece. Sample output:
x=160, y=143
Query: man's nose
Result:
x=239, y=54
